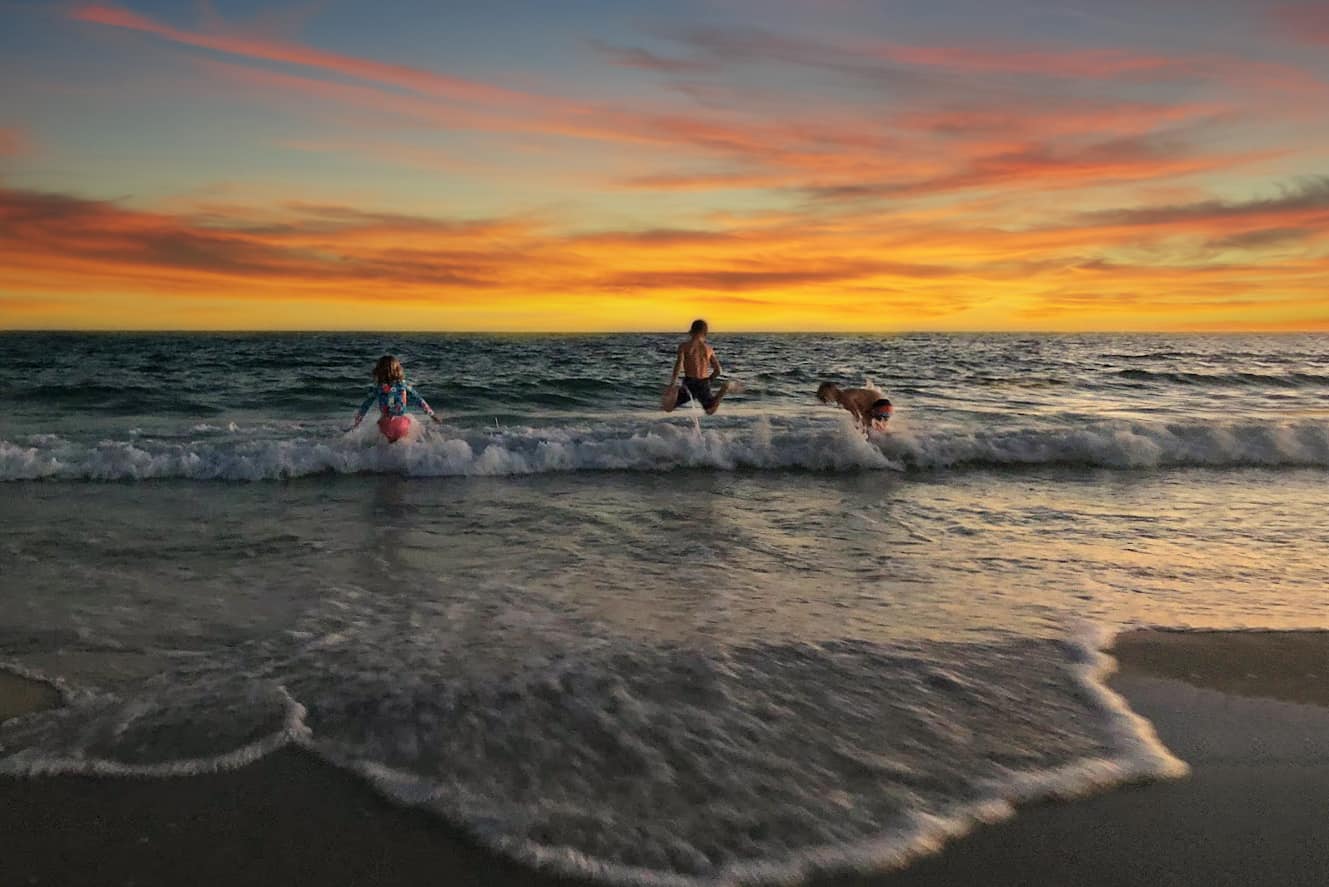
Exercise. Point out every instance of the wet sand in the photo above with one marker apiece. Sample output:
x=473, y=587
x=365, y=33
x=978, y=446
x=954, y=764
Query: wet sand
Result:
x=1288, y=665
x=20, y=696
x=1248, y=711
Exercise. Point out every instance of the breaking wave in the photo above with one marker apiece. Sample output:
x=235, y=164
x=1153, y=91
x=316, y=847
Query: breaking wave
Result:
x=239, y=456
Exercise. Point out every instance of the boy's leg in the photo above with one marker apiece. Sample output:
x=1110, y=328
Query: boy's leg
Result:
x=675, y=396
x=719, y=396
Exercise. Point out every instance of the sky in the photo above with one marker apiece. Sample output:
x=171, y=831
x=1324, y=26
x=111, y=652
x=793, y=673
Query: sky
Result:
x=581, y=166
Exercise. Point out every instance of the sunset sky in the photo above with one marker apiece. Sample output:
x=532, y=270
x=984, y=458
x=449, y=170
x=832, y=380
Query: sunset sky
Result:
x=828, y=164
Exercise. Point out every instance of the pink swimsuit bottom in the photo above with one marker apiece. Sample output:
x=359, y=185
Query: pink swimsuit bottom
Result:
x=394, y=428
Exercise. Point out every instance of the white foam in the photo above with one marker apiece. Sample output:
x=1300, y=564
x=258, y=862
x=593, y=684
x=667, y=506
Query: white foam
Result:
x=1121, y=445
x=652, y=766
x=576, y=816
x=43, y=743
x=817, y=446
x=657, y=447
x=1140, y=757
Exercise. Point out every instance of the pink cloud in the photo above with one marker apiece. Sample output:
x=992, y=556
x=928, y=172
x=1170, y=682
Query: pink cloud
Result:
x=1307, y=22
x=644, y=59
x=14, y=141
x=924, y=67
x=402, y=76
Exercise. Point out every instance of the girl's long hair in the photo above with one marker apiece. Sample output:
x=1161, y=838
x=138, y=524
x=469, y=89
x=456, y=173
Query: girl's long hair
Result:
x=388, y=370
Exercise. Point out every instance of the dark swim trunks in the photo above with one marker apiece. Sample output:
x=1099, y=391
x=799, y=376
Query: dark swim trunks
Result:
x=696, y=389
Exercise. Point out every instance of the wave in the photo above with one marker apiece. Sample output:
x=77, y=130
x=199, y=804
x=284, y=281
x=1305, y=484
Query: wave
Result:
x=234, y=456
x=114, y=400
x=311, y=393
x=651, y=765
x=1273, y=380
x=1122, y=445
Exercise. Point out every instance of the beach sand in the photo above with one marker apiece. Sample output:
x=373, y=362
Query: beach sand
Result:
x=1248, y=711
x=20, y=696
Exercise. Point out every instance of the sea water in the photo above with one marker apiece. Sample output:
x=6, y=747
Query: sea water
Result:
x=632, y=645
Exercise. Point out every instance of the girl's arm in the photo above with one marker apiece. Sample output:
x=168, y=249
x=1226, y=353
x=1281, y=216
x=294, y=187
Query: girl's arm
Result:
x=424, y=404
x=364, y=408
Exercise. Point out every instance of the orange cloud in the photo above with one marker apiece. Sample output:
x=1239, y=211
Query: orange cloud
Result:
x=1120, y=160
x=606, y=124
x=1028, y=142
x=1304, y=201
x=349, y=264
x=822, y=157
x=920, y=212
x=318, y=249
x=773, y=153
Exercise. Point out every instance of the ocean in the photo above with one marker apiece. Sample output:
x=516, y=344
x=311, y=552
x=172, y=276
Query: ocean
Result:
x=647, y=648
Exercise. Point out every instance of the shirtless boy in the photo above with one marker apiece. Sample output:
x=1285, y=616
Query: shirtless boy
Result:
x=699, y=366
x=869, y=407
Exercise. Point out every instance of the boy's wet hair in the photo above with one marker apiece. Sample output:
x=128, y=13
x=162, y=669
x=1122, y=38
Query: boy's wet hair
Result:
x=698, y=327
x=388, y=370
x=826, y=390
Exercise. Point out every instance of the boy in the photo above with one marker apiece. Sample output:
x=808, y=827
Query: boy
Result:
x=868, y=406
x=697, y=362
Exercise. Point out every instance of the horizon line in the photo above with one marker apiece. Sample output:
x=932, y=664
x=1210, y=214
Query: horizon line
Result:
x=1235, y=331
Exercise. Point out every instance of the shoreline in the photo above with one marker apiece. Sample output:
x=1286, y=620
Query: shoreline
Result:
x=1249, y=711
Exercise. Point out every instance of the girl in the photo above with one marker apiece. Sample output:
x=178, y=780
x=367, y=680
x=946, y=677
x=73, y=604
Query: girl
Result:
x=392, y=393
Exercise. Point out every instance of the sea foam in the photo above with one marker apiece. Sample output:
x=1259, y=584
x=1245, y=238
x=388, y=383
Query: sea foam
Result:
x=652, y=764
x=659, y=446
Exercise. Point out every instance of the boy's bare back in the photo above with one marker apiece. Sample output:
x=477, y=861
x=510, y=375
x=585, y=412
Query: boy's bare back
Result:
x=698, y=365
x=869, y=407
x=859, y=400
x=696, y=356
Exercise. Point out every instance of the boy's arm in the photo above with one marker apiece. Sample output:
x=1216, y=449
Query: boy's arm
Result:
x=678, y=365
x=716, y=369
